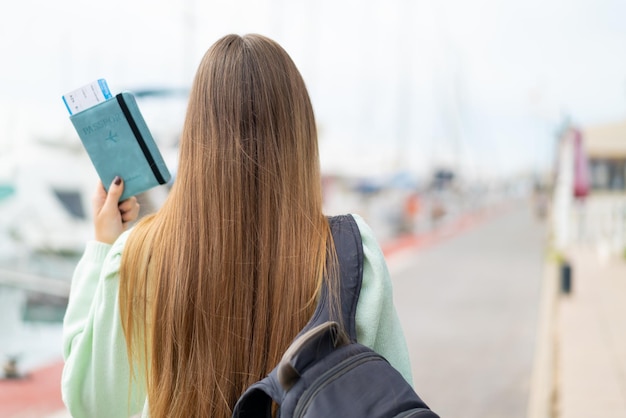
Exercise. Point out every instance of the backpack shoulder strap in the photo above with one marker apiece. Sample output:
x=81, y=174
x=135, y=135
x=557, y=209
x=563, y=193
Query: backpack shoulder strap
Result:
x=257, y=400
x=349, y=249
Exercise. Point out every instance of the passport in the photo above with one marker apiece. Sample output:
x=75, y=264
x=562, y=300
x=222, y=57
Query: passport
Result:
x=119, y=143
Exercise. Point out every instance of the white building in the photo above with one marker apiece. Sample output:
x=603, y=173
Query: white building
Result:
x=599, y=218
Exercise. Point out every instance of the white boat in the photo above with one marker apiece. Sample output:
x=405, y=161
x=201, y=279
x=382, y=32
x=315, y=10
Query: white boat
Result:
x=52, y=181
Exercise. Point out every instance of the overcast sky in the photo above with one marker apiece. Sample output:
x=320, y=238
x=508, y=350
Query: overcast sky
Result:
x=395, y=83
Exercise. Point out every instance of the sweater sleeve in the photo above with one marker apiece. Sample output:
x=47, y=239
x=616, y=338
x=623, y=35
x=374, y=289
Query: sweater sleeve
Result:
x=96, y=375
x=377, y=323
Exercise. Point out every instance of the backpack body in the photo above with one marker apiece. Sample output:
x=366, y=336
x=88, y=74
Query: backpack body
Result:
x=325, y=372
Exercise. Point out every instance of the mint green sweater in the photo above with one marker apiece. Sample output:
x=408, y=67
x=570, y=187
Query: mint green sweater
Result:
x=96, y=378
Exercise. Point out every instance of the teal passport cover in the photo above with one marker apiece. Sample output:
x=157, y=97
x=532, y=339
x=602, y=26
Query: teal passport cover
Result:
x=119, y=143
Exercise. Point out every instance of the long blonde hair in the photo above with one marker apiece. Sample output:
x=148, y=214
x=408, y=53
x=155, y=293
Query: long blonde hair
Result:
x=216, y=284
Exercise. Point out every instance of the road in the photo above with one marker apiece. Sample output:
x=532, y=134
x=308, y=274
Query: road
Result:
x=469, y=307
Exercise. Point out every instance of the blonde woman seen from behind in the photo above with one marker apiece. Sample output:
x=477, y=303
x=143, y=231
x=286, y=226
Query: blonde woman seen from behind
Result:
x=178, y=315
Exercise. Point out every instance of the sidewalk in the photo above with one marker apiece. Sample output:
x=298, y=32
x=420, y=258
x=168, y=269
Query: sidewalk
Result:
x=580, y=360
x=580, y=365
x=38, y=395
x=590, y=336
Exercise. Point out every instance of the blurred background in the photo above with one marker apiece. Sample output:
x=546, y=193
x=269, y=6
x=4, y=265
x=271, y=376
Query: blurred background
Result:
x=483, y=141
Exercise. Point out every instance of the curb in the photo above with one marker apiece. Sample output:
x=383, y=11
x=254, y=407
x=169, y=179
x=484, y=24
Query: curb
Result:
x=542, y=394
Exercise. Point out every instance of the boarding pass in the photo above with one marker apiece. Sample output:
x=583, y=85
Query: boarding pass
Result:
x=87, y=96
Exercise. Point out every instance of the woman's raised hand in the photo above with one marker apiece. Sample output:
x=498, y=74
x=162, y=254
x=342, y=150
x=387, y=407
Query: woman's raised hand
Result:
x=112, y=217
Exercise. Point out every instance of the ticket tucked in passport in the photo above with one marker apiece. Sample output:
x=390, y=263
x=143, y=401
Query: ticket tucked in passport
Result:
x=87, y=96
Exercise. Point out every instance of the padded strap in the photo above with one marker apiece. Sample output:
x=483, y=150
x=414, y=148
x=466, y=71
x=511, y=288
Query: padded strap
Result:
x=349, y=248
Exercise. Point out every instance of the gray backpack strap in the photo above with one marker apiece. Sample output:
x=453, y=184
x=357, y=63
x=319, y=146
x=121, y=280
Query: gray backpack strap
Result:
x=257, y=400
x=349, y=248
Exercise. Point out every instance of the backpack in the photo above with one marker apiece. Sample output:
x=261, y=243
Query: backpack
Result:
x=325, y=372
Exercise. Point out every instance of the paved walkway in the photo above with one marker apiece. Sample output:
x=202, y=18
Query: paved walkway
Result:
x=590, y=349
x=580, y=361
x=39, y=395
x=35, y=396
x=468, y=307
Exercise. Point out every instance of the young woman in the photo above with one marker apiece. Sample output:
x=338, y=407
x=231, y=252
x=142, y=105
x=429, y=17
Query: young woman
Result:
x=178, y=315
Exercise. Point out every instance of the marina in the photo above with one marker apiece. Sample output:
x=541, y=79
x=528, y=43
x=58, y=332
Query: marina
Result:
x=32, y=305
